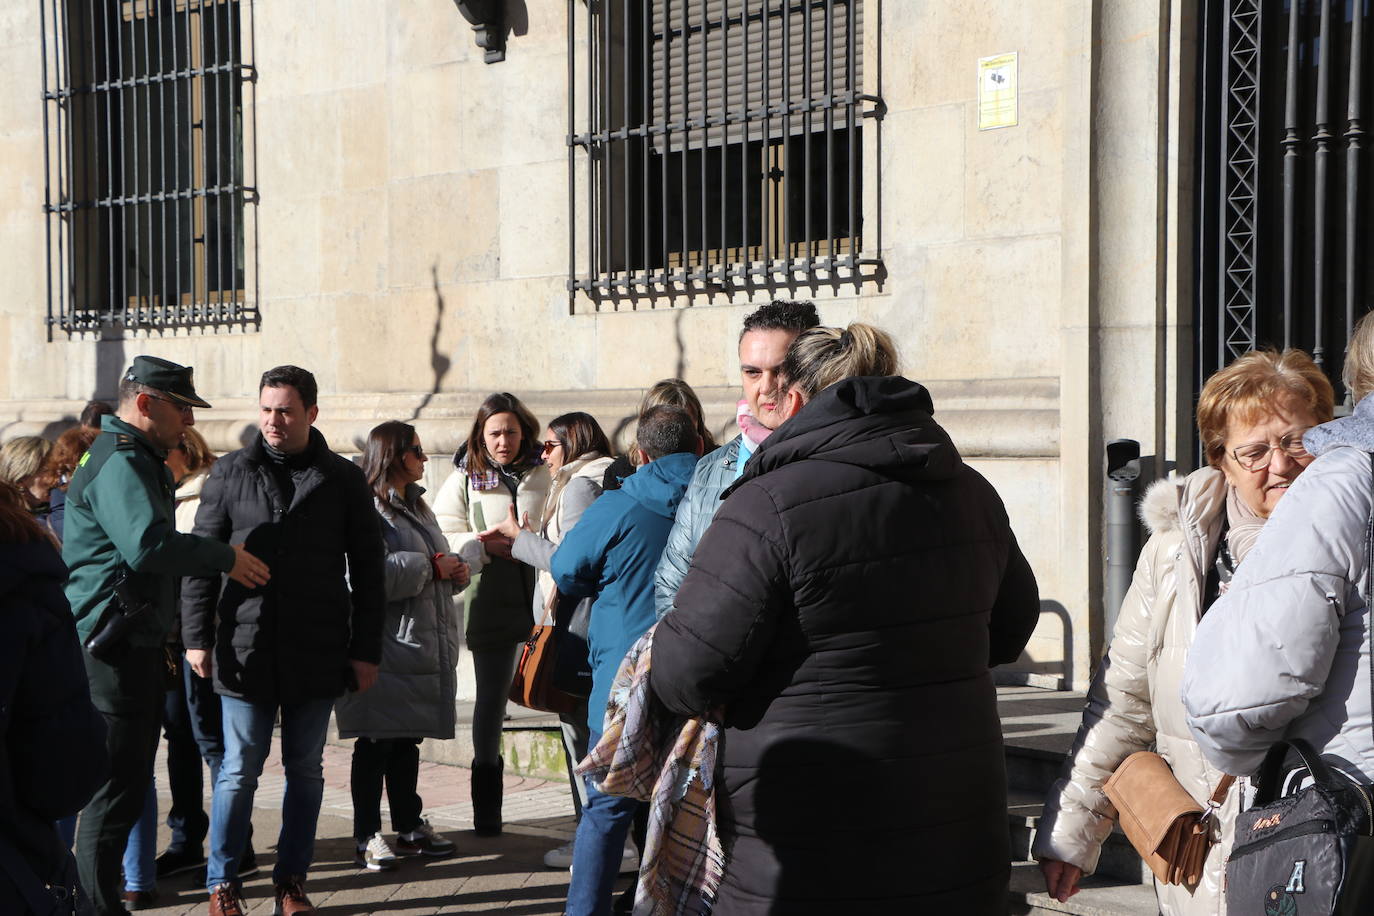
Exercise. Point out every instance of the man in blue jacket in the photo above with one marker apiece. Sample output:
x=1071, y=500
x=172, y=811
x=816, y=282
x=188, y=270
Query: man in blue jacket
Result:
x=611, y=555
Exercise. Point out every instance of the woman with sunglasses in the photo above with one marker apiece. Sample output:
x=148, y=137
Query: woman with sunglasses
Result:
x=497, y=470
x=416, y=683
x=1251, y=418
x=577, y=454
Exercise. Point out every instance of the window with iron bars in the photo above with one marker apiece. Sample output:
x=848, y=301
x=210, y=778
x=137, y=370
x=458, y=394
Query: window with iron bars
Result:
x=724, y=146
x=147, y=175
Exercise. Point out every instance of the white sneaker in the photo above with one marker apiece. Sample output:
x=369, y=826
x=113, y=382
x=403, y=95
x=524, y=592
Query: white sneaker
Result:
x=561, y=857
x=375, y=854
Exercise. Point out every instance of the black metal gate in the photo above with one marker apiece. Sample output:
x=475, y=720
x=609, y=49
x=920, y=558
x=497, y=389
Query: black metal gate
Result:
x=1283, y=196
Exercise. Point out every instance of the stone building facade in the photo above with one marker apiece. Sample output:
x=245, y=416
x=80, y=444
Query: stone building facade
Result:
x=412, y=247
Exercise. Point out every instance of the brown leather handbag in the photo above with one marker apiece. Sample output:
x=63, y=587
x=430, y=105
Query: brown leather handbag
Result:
x=1170, y=830
x=533, y=686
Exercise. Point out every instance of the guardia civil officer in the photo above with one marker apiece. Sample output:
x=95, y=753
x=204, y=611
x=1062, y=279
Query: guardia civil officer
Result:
x=120, y=530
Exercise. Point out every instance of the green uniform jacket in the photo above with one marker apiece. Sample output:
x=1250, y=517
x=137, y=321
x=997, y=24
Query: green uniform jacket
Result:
x=121, y=514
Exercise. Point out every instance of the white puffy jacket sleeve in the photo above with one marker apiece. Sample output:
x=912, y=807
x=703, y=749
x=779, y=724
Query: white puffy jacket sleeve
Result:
x=1117, y=721
x=451, y=511
x=1265, y=649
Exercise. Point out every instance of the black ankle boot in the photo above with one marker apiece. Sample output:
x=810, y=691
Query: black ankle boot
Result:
x=486, y=797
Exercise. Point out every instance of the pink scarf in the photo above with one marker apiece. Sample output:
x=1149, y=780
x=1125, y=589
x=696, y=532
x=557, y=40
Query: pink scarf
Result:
x=749, y=426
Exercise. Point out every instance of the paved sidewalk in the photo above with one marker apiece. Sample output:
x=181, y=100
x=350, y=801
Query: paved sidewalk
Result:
x=504, y=874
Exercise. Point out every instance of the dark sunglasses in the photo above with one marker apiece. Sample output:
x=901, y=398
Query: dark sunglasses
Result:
x=550, y=445
x=415, y=450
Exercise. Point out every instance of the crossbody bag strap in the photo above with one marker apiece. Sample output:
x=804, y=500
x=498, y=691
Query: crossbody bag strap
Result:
x=1219, y=796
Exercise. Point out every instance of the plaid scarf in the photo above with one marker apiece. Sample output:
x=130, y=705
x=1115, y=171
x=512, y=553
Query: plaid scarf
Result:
x=648, y=754
x=481, y=481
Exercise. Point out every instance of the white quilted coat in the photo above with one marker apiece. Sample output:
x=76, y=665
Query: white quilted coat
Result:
x=1134, y=703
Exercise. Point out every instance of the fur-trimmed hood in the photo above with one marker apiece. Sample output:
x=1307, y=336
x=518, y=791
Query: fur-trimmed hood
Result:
x=1177, y=502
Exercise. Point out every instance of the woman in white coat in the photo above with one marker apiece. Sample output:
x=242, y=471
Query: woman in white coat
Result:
x=577, y=453
x=1251, y=417
x=497, y=470
x=1286, y=653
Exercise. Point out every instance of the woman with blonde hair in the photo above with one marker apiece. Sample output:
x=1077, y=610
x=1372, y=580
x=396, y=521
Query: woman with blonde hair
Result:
x=840, y=618
x=496, y=471
x=21, y=463
x=676, y=393
x=1251, y=418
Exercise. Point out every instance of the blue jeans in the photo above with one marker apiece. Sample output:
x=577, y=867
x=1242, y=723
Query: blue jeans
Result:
x=247, y=737
x=606, y=822
x=140, y=855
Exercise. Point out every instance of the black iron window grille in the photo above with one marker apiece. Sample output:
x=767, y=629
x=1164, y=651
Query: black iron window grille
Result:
x=147, y=174
x=1283, y=201
x=724, y=146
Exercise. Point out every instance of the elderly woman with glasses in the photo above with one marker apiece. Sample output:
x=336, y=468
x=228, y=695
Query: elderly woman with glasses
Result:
x=1251, y=419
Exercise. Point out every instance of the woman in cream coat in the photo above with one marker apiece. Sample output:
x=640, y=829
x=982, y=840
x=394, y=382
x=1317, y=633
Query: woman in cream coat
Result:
x=577, y=453
x=1251, y=417
x=497, y=470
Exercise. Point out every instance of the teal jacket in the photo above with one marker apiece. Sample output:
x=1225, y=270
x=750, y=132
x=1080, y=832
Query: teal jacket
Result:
x=610, y=555
x=121, y=519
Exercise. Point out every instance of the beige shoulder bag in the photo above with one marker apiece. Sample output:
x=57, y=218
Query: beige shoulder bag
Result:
x=1170, y=830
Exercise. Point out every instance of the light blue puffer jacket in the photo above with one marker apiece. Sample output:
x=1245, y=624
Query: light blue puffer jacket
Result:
x=714, y=472
x=1285, y=653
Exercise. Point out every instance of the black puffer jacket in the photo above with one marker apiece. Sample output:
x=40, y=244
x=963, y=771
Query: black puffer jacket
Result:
x=292, y=639
x=54, y=754
x=844, y=608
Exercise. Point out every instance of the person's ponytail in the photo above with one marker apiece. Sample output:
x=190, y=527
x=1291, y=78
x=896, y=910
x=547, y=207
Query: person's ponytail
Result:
x=822, y=356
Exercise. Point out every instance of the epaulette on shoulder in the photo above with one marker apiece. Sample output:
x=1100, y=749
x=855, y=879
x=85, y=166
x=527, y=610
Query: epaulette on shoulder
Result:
x=124, y=442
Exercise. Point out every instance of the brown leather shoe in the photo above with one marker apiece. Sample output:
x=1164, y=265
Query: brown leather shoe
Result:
x=225, y=901
x=291, y=899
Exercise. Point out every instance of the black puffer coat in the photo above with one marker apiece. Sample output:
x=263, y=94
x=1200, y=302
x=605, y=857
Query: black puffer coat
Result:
x=53, y=757
x=292, y=639
x=844, y=608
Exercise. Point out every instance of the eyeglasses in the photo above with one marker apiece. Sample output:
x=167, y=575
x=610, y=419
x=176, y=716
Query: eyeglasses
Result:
x=416, y=450
x=184, y=409
x=1258, y=456
x=550, y=445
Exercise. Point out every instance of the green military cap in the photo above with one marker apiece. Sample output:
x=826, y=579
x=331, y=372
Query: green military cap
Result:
x=167, y=377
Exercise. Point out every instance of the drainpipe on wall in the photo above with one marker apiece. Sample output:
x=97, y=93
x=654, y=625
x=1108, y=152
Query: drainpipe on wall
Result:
x=1123, y=476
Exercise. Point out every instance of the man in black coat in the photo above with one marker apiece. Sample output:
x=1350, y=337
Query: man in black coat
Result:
x=295, y=644
x=843, y=610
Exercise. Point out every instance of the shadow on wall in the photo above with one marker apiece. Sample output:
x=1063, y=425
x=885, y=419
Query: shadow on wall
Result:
x=1062, y=669
x=439, y=363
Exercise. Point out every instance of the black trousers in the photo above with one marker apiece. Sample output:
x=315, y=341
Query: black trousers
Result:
x=397, y=762
x=185, y=769
x=130, y=697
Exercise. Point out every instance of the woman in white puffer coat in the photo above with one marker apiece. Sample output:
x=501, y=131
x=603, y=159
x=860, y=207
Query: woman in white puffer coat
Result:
x=1251, y=417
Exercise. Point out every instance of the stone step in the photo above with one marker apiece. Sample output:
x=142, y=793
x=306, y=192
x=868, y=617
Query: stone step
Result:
x=1097, y=896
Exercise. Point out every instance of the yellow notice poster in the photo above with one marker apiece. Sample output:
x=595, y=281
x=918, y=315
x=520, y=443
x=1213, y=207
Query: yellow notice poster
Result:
x=997, y=91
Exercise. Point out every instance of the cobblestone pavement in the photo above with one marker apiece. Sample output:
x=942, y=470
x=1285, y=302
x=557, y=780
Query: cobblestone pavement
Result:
x=502, y=874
